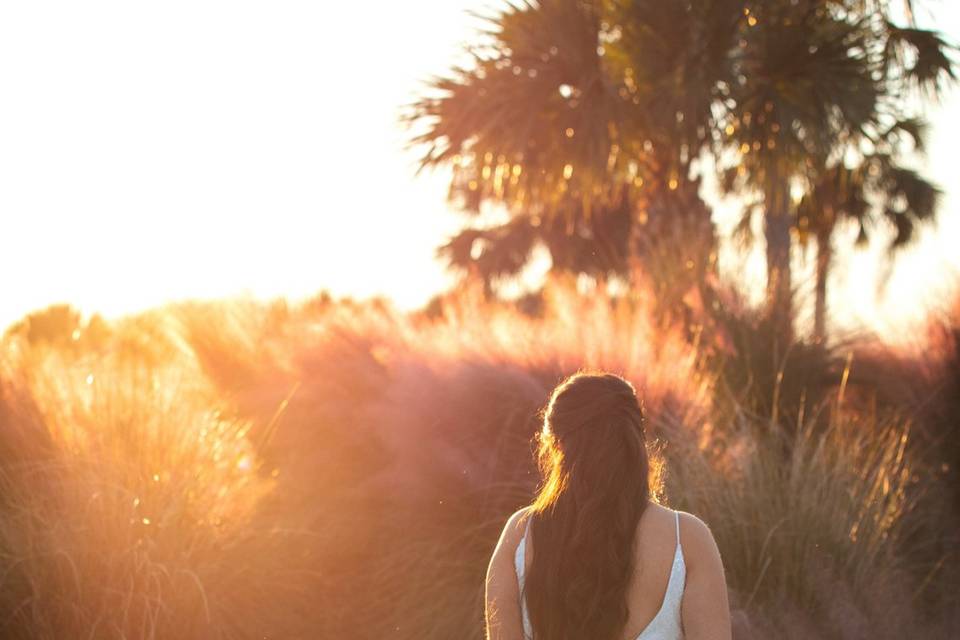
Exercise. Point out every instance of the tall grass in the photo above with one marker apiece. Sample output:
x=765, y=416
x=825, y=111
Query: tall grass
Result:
x=128, y=503
x=920, y=376
x=342, y=470
x=807, y=520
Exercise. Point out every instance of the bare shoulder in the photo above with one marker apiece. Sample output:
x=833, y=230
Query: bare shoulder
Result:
x=664, y=519
x=517, y=522
x=705, y=605
x=513, y=530
x=502, y=609
x=696, y=539
x=519, y=518
x=693, y=527
x=657, y=525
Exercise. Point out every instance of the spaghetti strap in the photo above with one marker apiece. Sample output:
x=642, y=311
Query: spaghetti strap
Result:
x=677, y=513
x=519, y=561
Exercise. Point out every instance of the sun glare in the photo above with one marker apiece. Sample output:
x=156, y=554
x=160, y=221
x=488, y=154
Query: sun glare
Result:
x=213, y=149
x=200, y=437
x=206, y=149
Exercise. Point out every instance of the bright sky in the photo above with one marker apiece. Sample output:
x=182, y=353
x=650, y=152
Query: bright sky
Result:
x=201, y=148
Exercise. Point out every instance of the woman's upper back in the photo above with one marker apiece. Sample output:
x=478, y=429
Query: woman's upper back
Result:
x=655, y=593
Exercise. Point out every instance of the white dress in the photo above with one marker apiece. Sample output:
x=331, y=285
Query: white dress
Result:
x=664, y=626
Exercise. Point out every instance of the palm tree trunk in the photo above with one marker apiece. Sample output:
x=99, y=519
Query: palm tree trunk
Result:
x=777, y=225
x=824, y=260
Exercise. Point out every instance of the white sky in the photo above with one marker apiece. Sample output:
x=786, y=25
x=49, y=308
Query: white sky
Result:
x=158, y=151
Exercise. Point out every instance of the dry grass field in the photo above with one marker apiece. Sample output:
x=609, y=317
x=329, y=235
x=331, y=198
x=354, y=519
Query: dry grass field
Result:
x=335, y=469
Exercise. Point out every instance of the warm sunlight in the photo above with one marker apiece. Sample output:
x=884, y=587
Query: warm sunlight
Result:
x=479, y=320
x=203, y=149
x=208, y=149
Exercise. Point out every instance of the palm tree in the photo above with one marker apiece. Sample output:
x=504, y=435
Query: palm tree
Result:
x=820, y=85
x=876, y=189
x=577, y=114
x=584, y=120
x=597, y=247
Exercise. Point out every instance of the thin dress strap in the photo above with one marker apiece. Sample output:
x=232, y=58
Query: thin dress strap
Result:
x=519, y=560
x=667, y=623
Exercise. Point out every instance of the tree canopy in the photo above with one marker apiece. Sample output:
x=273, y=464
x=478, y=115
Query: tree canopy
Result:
x=592, y=123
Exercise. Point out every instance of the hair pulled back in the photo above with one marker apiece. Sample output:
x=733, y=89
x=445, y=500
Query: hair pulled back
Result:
x=594, y=487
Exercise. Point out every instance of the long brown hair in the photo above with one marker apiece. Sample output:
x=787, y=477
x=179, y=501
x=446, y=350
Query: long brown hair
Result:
x=594, y=487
